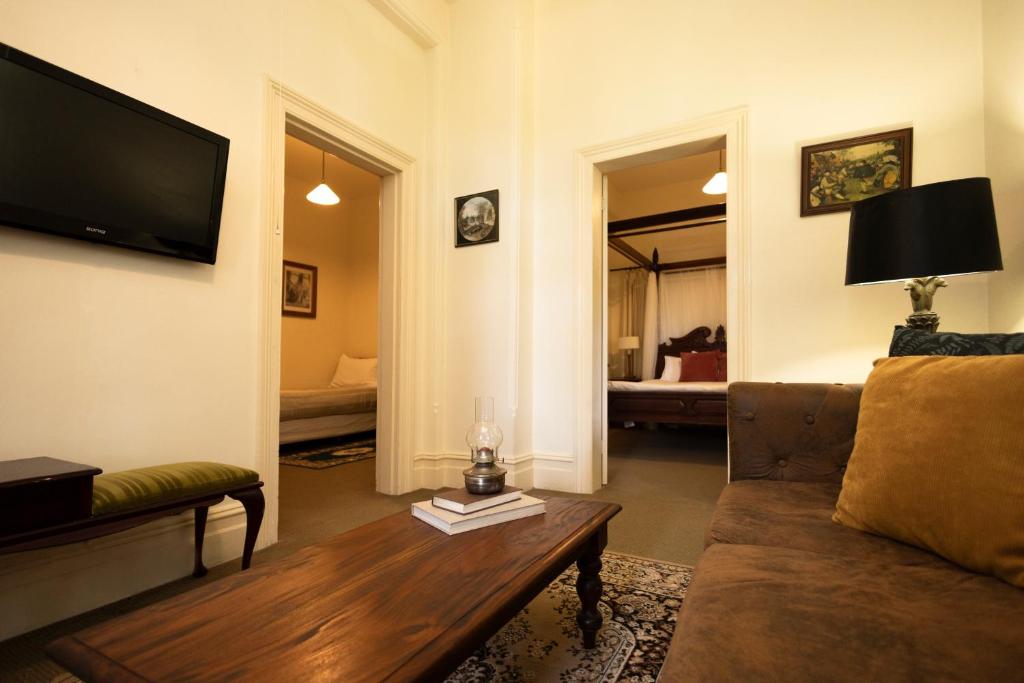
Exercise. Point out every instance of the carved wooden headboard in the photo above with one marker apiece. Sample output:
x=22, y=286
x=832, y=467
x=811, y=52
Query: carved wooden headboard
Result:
x=695, y=340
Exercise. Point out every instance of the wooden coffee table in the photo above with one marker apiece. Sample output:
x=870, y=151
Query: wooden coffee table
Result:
x=395, y=600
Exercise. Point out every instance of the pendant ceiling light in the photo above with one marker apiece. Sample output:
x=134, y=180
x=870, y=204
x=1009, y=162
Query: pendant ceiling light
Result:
x=321, y=194
x=717, y=183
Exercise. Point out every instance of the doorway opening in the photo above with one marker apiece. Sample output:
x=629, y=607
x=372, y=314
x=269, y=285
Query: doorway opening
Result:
x=665, y=316
x=291, y=114
x=329, y=333
x=593, y=164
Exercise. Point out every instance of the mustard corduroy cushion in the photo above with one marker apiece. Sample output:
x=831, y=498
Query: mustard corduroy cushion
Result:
x=134, y=488
x=938, y=460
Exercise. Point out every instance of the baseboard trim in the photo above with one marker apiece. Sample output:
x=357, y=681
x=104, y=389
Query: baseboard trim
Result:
x=552, y=471
x=439, y=470
x=39, y=587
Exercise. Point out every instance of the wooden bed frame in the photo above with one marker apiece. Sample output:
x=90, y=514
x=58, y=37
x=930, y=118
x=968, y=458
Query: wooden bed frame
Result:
x=674, y=407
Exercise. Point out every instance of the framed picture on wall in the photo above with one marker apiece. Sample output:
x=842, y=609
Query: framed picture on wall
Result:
x=834, y=175
x=476, y=218
x=298, y=290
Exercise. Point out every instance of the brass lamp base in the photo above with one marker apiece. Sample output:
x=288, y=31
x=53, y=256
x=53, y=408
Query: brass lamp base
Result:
x=927, y=322
x=922, y=290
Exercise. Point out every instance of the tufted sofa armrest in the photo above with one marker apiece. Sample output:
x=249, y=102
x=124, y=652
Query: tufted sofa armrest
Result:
x=791, y=432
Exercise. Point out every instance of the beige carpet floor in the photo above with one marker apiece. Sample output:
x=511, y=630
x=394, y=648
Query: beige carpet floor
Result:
x=667, y=482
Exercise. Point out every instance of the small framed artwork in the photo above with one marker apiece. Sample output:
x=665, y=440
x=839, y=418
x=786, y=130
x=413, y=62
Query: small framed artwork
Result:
x=834, y=175
x=476, y=218
x=298, y=290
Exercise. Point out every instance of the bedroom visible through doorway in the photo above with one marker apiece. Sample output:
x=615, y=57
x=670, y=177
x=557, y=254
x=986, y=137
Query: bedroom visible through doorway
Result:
x=330, y=281
x=666, y=329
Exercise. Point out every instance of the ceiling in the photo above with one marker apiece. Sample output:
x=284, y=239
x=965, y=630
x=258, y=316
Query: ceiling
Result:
x=302, y=162
x=696, y=167
x=661, y=187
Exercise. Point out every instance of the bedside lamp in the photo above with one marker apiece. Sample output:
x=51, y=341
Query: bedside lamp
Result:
x=922, y=235
x=629, y=345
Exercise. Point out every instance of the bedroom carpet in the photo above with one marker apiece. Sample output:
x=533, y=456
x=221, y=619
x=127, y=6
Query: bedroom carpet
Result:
x=665, y=480
x=330, y=453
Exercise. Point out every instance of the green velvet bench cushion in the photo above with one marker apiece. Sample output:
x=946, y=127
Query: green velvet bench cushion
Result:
x=130, y=489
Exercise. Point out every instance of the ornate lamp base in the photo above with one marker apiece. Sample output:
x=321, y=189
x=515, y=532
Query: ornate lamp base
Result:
x=928, y=322
x=922, y=290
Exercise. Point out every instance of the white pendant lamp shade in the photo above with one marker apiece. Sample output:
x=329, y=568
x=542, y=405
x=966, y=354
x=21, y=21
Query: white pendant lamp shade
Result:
x=718, y=182
x=322, y=194
x=716, y=185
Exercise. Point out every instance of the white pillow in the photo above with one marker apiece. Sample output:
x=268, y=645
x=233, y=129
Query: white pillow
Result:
x=355, y=371
x=673, y=369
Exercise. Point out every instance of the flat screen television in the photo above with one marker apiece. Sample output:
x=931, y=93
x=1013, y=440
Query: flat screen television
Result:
x=81, y=160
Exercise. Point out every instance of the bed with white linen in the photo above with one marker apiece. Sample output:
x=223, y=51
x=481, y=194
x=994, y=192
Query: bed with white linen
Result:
x=660, y=400
x=348, y=406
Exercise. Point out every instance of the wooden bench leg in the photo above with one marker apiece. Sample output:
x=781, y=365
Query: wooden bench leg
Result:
x=201, y=512
x=252, y=501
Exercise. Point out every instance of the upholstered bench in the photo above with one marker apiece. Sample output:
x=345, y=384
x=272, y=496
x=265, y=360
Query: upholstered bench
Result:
x=122, y=500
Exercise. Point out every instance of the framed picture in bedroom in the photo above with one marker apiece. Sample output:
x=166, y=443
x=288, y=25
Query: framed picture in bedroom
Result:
x=476, y=218
x=833, y=175
x=298, y=290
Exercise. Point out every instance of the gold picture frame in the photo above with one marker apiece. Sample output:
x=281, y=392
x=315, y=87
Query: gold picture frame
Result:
x=834, y=175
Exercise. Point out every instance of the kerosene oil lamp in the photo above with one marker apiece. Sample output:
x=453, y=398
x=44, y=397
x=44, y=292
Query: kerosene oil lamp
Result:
x=483, y=438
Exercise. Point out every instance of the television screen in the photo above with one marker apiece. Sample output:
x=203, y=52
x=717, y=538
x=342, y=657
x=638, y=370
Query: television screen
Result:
x=81, y=160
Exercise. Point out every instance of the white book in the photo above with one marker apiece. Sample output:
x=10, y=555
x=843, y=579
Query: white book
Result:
x=454, y=523
x=464, y=502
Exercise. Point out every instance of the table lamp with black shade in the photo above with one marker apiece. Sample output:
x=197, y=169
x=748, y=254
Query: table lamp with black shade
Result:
x=922, y=235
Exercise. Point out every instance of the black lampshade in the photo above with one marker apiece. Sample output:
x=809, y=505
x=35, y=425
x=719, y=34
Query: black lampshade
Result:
x=946, y=228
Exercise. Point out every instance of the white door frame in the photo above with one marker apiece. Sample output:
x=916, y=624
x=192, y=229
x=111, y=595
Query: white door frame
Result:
x=286, y=109
x=592, y=163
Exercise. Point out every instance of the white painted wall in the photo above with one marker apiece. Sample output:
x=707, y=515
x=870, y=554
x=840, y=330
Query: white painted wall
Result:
x=342, y=242
x=615, y=69
x=1004, y=142
x=487, y=122
x=123, y=359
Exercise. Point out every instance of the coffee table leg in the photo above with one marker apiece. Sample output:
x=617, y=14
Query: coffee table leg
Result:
x=588, y=587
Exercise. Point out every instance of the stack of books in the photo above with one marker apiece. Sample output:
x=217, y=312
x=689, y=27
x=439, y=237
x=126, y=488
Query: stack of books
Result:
x=454, y=512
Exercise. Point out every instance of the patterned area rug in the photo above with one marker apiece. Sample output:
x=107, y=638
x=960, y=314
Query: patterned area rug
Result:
x=639, y=605
x=321, y=456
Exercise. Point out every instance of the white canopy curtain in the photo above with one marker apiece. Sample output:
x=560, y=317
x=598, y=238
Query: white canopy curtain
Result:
x=689, y=299
x=625, y=315
x=649, y=340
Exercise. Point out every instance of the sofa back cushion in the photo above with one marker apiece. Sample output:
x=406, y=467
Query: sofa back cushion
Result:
x=938, y=460
x=791, y=432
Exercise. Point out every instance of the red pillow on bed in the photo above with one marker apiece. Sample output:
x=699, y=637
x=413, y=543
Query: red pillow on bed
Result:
x=723, y=367
x=699, y=367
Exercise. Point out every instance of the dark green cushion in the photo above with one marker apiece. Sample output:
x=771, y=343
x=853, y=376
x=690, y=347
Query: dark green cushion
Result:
x=907, y=341
x=148, y=485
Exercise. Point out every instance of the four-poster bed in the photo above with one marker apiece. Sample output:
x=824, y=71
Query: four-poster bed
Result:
x=690, y=403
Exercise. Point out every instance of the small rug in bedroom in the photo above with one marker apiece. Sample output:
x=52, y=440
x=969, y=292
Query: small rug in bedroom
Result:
x=542, y=643
x=326, y=453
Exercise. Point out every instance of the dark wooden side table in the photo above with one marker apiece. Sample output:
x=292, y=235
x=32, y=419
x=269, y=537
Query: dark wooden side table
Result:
x=395, y=600
x=42, y=492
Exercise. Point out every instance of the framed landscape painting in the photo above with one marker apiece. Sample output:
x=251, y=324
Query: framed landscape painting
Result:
x=298, y=290
x=476, y=218
x=833, y=175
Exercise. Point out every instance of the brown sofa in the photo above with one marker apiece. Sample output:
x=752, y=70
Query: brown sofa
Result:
x=782, y=593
